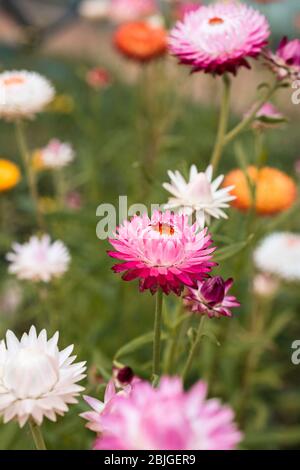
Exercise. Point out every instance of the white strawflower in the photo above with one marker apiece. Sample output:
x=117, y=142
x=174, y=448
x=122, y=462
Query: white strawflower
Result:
x=39, y=259
x=199, y=194
x=36, y=379
x=23, y=94
x=56, y=154
x=279, y=254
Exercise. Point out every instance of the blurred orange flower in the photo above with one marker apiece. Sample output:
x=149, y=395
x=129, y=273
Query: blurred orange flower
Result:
x=10, y=175
x=140, y=40
x=275, y=191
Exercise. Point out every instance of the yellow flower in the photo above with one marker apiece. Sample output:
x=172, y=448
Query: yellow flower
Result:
x=10, y=175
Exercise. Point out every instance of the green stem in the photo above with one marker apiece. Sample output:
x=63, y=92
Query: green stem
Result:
x=258, y=324
x=25, y=154
x=157, y=335
x=194, y=348
x=37, y=435
x=59, y=180
x=248, y=119
x=173, y=343
x=223, y=123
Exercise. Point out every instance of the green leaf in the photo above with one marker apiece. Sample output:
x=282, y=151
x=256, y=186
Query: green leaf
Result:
x=232, y=250
x=279, y=324
x=136, y=344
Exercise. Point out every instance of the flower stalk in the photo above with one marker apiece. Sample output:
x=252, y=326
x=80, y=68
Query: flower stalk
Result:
x=248, y=119
x=25, y=154
x=194, y=348
x=37, y=435
x=157, y=335
x=223, y=123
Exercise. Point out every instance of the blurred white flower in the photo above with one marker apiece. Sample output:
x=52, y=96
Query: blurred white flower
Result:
x=56, y=154
x=94, y=9
x=23, y=94
x=10, y=297
x=265, y=285
x=199, y=194
x=38, y=259
x=36, y=379
x=279, y=254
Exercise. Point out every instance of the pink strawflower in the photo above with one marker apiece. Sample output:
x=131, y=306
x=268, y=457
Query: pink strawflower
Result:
x=286, y=60
x=268, y=116
x=219, y=38
x=94, y=417
x=186, y=7
x=163, y=252
x=211, y=299
x=121, y=11
x=168, y=418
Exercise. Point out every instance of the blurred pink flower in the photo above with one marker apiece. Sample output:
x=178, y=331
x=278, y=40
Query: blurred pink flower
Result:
x=121, y=11
x=297, y=166
x=94, y=417
x=219, y=38
x=265, y=285
x=285, y=62
x=163, y=252
x=98, y=78
x=168, y=418
x=211, y=299
x=73, y=200
x=267, y=116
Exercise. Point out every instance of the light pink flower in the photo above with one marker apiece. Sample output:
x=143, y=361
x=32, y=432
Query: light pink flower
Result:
x=163, y=252
x=285, y=62
x=168, y=418
x=219, y=38
x=121, y=11
x=94, y=417
x=268, y=116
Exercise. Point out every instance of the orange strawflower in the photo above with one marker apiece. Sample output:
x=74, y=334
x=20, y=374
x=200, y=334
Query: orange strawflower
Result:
x=10, y=175
x=275, y=191
x=141, y=40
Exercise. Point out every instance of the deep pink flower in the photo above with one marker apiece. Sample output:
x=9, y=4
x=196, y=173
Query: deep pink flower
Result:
x=123, y=375
x=211, y=299
x=219, y=38
x=286, y=60
x=163, y=252
x=168, y=418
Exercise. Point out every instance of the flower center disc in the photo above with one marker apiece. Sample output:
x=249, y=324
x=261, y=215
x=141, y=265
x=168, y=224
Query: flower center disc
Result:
x=163, y=229
x=14, y=81
x=215, y=21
